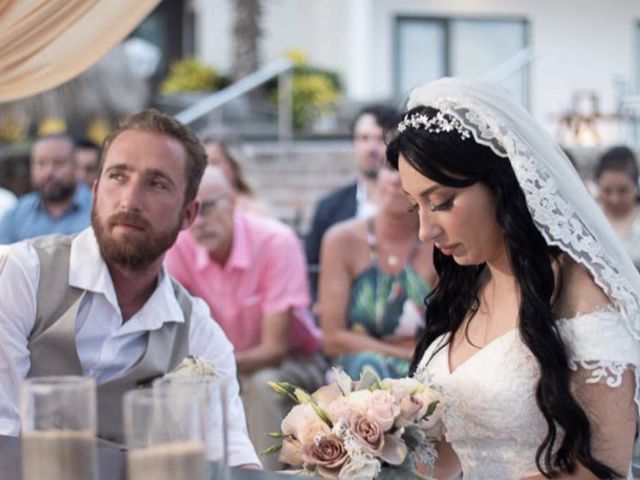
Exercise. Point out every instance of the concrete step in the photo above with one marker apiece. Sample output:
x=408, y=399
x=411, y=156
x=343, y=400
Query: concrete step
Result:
x=291, y=181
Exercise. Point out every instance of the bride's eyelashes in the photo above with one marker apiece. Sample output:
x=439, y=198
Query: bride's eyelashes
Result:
x=440, y=207
x=443, y=206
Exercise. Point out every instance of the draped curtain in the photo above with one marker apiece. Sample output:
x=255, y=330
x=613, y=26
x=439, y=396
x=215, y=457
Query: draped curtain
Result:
x=44, y=43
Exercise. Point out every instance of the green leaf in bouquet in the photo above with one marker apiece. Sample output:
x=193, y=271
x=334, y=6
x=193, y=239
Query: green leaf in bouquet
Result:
x=302, y=396
x=375, y=386
x=413, y=436
x=322, y=414
x=277, y=435
x=284, y=389
x=430, y=409
x=369, y=379
x=272, y=449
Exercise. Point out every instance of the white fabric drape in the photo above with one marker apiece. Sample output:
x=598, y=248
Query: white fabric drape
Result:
x=44, y=43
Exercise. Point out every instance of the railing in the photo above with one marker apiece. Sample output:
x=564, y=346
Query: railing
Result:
x=280, y=68
x=510, y=66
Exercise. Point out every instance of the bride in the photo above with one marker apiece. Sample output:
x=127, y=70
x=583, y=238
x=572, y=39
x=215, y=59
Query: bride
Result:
x=532, y=331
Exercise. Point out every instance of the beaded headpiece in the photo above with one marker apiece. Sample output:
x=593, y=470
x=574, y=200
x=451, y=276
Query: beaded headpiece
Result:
x=440, y=123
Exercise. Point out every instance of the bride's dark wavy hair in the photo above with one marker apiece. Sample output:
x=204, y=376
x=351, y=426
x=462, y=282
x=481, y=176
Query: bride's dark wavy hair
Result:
x=447, y=159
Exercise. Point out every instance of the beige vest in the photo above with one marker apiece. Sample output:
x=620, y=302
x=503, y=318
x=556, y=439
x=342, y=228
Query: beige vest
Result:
x=52, y=342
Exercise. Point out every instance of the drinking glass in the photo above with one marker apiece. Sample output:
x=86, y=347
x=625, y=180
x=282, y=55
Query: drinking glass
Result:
x=58, y=428
x=212, y=395
x=165, y=431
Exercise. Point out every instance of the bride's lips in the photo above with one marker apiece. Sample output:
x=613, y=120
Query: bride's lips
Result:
x=447, y=249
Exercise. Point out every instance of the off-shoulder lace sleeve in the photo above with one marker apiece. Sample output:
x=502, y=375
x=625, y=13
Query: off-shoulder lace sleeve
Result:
x=604, y=358
x=599, y=344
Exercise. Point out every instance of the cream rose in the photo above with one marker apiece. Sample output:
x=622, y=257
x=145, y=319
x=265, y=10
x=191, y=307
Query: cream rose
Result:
x=291, y=452
x=298, y=419
x=327, y=394
x=307, y=432
x=410, y=407
x=427, y=397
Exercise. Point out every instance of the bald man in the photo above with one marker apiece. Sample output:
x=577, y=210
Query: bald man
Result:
x=251, y=271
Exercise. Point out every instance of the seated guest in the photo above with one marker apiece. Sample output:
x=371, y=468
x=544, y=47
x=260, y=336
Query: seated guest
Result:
x=616, y=175
x=87, y=156
x=7, y=201
x=100, y=303
x=251, y=271
x=58, y=204
x=356, y=199
x=219, y=155
x=375, y=275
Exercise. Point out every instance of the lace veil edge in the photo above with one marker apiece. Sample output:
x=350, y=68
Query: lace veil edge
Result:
x=562, y=209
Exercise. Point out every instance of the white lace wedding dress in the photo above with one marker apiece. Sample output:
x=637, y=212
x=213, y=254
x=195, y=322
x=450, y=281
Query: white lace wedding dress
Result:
x=490, y=414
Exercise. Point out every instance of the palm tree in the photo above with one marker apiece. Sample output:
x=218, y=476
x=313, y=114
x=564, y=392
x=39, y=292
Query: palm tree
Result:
x=247, y=30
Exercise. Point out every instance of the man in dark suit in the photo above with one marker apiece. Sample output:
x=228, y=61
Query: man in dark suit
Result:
x=357, y=198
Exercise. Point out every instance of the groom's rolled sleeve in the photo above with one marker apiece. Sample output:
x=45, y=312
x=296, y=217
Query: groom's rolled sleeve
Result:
x=207, y=340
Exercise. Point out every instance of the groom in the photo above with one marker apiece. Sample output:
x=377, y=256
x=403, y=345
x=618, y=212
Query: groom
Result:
x=100, y=303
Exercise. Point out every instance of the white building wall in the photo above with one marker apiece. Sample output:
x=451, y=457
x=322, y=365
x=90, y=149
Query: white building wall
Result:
x=318, y=28
x=214, y=32
x=580, y=44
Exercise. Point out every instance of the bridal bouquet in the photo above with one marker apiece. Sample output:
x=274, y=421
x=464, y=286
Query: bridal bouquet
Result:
x=360, y=430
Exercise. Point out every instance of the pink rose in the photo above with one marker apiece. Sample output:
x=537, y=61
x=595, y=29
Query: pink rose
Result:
x=368, y=433
x=327, y=454
x=382, y=409
x=291, y=452
x=340, y=409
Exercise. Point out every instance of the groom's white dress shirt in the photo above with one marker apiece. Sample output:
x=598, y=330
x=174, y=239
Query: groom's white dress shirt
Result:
x=107, y=347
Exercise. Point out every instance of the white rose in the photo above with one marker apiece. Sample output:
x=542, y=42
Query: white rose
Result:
x=401, y=387
x=427, y=396
x=360, y=401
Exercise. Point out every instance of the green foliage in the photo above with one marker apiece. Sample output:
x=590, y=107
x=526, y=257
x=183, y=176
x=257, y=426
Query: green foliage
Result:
x=190, y=75
x=316, y=91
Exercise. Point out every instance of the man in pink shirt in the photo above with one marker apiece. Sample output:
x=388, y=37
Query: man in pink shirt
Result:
x=251, y=271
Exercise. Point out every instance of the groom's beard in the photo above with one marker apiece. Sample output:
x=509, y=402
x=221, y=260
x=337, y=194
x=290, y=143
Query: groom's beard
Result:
x=136, y=251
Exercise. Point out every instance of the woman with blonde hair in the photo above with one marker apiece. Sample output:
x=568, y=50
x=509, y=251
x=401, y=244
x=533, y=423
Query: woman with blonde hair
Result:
x=219, y=155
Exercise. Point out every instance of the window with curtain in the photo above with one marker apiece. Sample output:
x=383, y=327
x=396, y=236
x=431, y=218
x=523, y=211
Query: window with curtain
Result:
x=428, y=48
